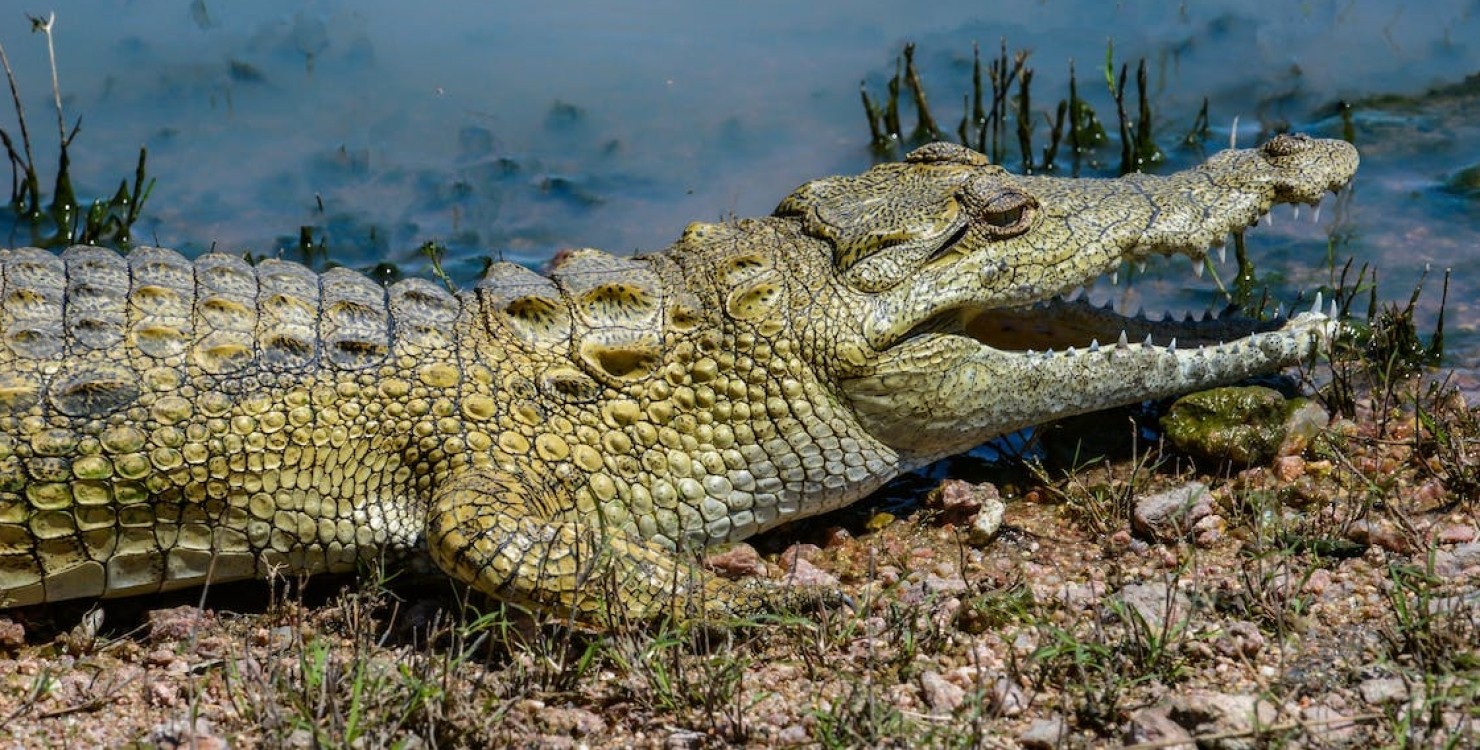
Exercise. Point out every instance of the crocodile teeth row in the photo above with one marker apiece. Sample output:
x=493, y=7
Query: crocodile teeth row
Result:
x=1318, y=307
x=1171, y=348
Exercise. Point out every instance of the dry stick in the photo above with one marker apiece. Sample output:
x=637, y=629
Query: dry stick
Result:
x=1025, y=120
x=51, y=53
x=925, y=123
x=33, y=184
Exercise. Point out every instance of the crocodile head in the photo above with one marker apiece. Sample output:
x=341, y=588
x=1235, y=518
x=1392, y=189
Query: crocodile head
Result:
x=958, y=268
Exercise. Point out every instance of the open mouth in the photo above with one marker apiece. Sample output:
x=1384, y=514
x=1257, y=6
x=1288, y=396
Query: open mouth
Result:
x=1087, y=318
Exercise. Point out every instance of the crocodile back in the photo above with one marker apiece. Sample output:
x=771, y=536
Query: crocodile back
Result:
x=151, y=408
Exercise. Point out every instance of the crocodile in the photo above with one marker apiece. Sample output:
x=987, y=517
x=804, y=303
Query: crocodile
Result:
x=566, y=442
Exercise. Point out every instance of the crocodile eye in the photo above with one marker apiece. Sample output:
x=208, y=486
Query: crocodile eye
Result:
x=1000, y=210
x=1005, y=218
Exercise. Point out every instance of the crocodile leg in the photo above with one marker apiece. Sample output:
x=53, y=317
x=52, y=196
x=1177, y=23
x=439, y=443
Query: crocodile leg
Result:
x=496, y=532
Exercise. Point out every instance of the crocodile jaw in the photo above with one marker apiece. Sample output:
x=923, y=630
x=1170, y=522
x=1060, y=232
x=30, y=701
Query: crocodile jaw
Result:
x=942, y=380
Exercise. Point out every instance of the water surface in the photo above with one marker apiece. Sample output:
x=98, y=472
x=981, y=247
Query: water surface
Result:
x=514, y=130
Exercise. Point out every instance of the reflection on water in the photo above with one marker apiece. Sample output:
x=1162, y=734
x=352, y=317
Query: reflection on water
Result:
x=514, y=129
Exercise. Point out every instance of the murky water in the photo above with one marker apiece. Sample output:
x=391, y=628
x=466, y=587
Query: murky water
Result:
x=507, y=129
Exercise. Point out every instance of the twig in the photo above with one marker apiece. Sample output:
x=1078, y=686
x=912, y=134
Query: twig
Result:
x=33, y=184
x=45, y=26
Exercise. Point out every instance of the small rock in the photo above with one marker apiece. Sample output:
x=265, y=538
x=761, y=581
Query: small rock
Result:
x=987, y=521
x=1317, y=583
x=163, y=694
x=572, y=721
x=738, y=560
x=803, y=551
x=1007, y=697
x=683, y=739
x=1455, y=534
x=1380, y=533
x=1205, y=713
x=1380, y=691
x=1288, y=468
x=1164, y=609
x=1240, y=638
x=178, y=623
x=1154, y=726
x=942, y=696
x=180, y=734
x=794, y=735
x=960, y=498
x=12, y=634
x=1209, y=529
x=836, y=536
x=1328, y=726
x=1044, y=734
x=1458, y=561
x=1170, y=515
x=803, y=573
x=1303, y=423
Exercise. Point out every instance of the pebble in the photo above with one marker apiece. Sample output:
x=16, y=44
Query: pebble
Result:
x=178, y=623
x=1157, y=604
x=1240, y=638
x=179, y=734
x=801, y=572
x=942, y=696
x=987, y=521
x=1154, y=726
x=739, y=560
x=12, y=634
x=1380, y=691
x=1328, y=726
x=1457, y=561
x=1045, y=734
x=1379, y=533
x=1288, y=468
x=961, y=498
x=1305, y=422
x=1170, y=515
x=1455, y=534
x=1205, y=713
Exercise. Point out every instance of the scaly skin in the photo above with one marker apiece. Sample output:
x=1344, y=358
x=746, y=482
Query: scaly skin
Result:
x=554, y=441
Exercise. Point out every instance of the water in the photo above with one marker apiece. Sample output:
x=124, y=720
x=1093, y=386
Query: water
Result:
x=513, y=130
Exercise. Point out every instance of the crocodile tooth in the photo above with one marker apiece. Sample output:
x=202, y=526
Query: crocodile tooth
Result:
x=1122, y=343
x=1296, y=206
x=1187, y=316
x=1222, y=254
x=1148, y=340
x=1141, y=266
x=1094, y=346
x=1069, y=352
x=1172, y=347
x=1197, y=267
x=1115, y=277
x=1317, y=213
x=1279, y=310
x=1319, y=305
x=1270, y=218
x=1333, y=309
